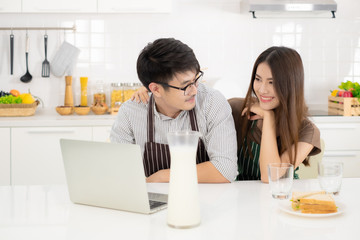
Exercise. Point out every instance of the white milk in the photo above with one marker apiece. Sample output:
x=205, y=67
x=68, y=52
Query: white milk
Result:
x=183, y=202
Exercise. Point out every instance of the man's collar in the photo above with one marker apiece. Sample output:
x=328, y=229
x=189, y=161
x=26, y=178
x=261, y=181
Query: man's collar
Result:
x=164, y=117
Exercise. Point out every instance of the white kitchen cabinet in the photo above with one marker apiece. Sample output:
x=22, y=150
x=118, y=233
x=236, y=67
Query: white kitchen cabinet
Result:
x=56, y=6
x=135, y=6
x=101, y=134
x=341, y=142
x=36, y=156
x=10, y=6
x=350, y=159
x=5, y=156
x=340, y=136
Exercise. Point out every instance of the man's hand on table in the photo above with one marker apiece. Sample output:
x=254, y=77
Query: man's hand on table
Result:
x=159, y=176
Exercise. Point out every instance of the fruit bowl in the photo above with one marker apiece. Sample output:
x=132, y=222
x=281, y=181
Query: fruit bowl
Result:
x=65, y=110
x=82, y=110
x=18, y=109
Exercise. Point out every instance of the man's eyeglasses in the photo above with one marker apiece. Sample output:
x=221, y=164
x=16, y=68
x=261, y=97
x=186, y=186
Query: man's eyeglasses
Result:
x=187, y=88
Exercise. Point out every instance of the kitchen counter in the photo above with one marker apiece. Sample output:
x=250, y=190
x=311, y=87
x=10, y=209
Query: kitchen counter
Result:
x=320, y=113
x=48, y=117
x=319, y=110
x=240, y=210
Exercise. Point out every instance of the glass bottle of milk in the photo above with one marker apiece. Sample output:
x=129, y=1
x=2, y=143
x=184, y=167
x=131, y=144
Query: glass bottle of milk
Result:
x=183, y=199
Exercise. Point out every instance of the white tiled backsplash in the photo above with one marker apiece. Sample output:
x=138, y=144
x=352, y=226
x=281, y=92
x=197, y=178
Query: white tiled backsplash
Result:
x=226, y=41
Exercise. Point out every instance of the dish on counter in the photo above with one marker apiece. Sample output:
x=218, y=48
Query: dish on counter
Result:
x=99, y=110
x=82, y=110
x=285, y=206
x=65, y=110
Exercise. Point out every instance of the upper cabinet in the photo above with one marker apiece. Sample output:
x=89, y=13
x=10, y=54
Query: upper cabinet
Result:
x=56, y=6
x=85, y=6
x=10, y=6
x=134, y=6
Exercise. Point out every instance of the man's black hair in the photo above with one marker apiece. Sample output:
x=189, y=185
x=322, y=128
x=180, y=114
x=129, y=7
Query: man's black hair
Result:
x=161, y=60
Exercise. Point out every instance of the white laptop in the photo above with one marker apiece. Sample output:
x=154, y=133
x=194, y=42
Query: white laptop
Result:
x=109, y=175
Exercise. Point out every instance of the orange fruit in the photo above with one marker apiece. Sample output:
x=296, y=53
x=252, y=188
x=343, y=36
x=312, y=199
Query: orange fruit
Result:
x=15, y=92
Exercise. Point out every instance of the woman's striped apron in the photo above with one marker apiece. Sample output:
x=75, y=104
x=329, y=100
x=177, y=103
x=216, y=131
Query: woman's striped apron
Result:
x=157, y=155
x=249, y=167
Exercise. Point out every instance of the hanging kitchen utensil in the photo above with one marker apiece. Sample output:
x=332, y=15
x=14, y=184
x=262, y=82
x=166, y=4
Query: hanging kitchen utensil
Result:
x=11, y=53
x=27, y=77
x=45, y=71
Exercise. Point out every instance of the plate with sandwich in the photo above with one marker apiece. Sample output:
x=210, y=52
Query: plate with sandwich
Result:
x=312, y=204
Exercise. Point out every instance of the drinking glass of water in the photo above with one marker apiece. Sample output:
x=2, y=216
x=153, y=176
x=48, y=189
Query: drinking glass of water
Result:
x=280, y=179
x=330, y=175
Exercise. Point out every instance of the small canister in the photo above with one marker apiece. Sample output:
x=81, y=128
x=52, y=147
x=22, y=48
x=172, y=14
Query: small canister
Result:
x=99, y=95
x=116, y=94
x=129, y=89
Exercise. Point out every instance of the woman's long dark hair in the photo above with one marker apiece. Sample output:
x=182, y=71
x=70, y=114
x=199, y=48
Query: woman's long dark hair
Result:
x=288, y=81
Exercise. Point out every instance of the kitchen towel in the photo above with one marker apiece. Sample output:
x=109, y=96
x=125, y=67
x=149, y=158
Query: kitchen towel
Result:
x=64, y=59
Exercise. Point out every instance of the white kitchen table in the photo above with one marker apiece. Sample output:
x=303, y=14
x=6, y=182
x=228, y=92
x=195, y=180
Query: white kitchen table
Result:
x=240, y=210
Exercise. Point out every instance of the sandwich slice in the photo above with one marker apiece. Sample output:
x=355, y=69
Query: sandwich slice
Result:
x=318, y=203
x=313, y=202
x=296, y=196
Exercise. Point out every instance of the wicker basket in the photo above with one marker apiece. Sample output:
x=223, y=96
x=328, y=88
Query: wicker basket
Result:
x=18, y=110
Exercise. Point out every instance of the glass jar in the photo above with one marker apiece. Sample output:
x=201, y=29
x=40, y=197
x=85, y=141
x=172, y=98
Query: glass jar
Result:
x=99, y=94
x=129, y=89
x=116, y=95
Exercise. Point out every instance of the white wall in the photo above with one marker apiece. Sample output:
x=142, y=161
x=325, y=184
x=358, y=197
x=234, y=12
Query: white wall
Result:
x=225, y=38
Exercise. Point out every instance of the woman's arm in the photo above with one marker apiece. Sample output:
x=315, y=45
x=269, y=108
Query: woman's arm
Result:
x=269, y=148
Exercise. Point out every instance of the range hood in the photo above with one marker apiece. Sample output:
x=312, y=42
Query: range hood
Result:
x=292, y=6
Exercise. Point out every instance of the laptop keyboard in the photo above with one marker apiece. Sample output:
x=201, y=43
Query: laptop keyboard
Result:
x=157, y=199
x=160, y=197
x=155, y=204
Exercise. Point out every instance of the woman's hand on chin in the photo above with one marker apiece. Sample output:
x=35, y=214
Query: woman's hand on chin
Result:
x=256, y=112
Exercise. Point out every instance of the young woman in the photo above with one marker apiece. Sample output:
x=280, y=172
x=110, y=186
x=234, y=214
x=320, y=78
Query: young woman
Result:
x=271, y=122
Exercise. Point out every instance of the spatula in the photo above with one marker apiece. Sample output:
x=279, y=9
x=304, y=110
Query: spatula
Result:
x=27, y=77
x=45, y=72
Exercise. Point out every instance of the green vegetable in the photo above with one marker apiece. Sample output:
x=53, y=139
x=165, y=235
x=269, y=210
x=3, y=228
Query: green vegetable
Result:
x=353, y=87
x=10, y=99
x=346, y=85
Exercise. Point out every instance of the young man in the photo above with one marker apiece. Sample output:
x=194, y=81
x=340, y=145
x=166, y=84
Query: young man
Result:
x=169, y=69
